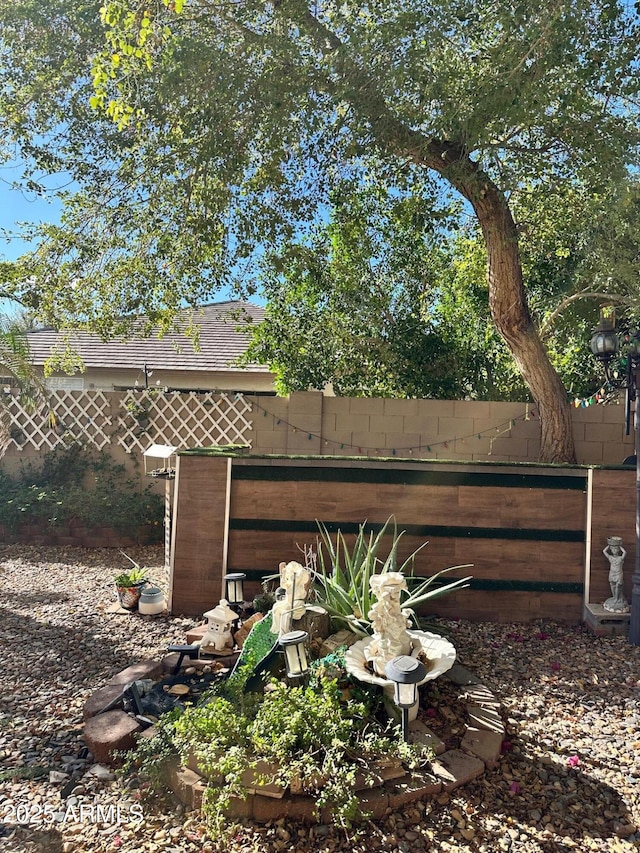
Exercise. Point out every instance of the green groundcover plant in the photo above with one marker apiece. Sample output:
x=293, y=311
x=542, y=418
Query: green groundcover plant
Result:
x=74, y=483
x=305, y=737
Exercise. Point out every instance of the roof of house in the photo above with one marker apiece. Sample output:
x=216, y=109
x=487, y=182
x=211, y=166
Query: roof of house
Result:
x=222, y=341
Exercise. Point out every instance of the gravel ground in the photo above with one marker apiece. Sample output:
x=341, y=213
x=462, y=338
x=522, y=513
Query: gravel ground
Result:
x=568, y=778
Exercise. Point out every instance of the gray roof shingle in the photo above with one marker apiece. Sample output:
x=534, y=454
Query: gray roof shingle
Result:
x=222, y=340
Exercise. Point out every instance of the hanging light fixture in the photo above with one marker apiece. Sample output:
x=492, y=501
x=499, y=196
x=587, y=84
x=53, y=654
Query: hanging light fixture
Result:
x=295, y=653
x=406, y=672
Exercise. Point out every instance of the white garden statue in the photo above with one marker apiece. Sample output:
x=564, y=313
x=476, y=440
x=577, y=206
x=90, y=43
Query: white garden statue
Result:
x=366, y=659
x=615, y=554
x=218, y=638
x=389, y=621
x=295, y=583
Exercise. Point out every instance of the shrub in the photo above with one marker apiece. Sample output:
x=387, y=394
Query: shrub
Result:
x=308, y=737
x=74, y=483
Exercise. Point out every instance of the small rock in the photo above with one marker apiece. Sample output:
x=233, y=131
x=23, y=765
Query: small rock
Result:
x=55, y=776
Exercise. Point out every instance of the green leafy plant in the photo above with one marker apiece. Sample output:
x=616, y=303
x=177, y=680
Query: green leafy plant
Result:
x=133, y=577
x=73, y=483
x=296, y=737
x=343, y=574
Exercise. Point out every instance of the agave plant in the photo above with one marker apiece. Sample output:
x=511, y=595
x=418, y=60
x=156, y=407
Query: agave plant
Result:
x=342, y=575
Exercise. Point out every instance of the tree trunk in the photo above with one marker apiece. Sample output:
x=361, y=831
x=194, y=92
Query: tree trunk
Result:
x=507, y=298
x=510, y=312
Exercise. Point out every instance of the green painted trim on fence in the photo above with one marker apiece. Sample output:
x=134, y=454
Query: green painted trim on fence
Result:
x=523, y=586
x=405, y=477
x=485, y=584
x=421, y=530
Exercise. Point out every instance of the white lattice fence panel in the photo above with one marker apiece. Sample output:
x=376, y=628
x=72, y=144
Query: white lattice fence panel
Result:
x=82, y=415
x=183, y=420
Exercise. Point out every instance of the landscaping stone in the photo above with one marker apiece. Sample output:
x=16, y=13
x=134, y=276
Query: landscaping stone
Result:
x=414, y=787
x=421, y=735
x=461, y=675
x=137, y=671
x=456, y=768
x=101, y=699
x=483, y=717
x=484, y=744
x=194, y=635
x=251, y=780
x=108, y=733
x=187, y=785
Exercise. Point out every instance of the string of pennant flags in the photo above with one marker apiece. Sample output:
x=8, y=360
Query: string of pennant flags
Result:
x=493, y=433
x=606, y=395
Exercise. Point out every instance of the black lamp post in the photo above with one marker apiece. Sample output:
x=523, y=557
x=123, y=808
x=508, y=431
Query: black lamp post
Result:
x=293, y=643
x=406, y=672
x=605, y=346
x=234, y=589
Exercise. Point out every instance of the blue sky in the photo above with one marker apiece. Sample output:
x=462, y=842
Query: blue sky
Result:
x=21, y=206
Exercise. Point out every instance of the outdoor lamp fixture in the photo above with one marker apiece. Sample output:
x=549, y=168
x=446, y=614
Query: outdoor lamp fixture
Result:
x=234, y=590
x=605, y=345
x=406, y=673
x=295, y=653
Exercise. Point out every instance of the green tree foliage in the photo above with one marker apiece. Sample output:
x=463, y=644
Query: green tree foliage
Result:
x=199, y=133
x=378, y=305
x=384, y=300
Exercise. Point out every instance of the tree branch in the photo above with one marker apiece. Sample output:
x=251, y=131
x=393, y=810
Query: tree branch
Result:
x=545, y=326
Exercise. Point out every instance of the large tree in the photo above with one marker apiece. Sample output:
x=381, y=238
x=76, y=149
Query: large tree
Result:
x=379, y=305
x=220, y=128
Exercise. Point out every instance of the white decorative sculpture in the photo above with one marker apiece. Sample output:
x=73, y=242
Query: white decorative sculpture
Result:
x=218, y=637
x=389, y=621
x=295, y=582
x=391, y=638
x=615, y=554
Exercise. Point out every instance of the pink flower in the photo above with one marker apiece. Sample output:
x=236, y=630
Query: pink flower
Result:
x=573, y=761
x=542, y=636
x=117, y=841
x=515, y=787
x=507, y=746
x=555, y=666
x=431, y=712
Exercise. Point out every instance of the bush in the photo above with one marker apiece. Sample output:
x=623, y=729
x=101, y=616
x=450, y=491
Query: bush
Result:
x=74, y=483
x=307, y=737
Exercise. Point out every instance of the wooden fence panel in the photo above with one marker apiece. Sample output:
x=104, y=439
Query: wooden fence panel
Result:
x=522, y=529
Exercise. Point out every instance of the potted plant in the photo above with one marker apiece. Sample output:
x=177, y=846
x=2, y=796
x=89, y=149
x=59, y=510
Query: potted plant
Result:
x=129, y=584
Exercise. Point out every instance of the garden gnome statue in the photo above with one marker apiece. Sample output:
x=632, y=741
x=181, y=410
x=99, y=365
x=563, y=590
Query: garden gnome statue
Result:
x=615, y=554
x=388, y=620
x=291, y=597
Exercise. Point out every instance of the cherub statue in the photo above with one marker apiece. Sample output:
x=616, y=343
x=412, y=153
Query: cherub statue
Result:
x=291, y=598
x=615, y=554
x=389, y=621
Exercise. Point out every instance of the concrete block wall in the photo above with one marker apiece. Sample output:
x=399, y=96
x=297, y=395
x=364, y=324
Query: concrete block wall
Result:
x=479, y=431
x=308, y=423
